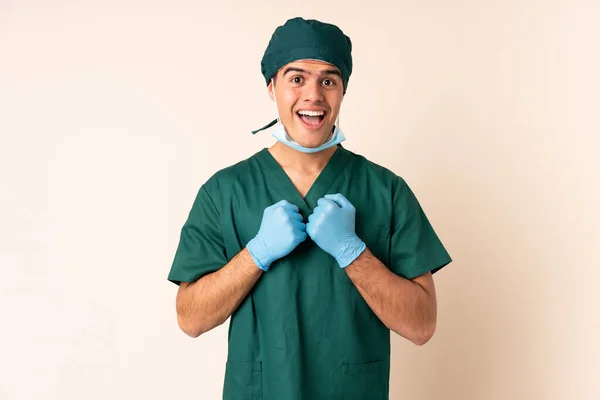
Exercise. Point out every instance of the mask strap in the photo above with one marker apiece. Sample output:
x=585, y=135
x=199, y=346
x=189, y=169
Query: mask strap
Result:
x=270, y=124
x=275, y=98
x=275, y=121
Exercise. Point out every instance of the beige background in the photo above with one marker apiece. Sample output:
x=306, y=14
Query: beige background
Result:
x=113, y=113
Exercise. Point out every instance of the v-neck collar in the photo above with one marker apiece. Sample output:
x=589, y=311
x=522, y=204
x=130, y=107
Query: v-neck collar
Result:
x=332, y=170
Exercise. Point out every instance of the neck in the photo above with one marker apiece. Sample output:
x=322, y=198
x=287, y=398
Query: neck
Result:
x=309, y=162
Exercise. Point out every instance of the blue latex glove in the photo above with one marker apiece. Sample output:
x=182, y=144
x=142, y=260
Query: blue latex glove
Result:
x=331, y=227
x=281, y=230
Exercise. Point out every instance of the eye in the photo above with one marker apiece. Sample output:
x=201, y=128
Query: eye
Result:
x=297, y=79
x=328, y=82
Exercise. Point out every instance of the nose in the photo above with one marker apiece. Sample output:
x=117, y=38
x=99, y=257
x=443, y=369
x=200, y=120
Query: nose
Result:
x=313, y=92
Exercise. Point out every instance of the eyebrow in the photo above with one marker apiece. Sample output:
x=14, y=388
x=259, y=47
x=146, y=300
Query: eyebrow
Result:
x=322, y=72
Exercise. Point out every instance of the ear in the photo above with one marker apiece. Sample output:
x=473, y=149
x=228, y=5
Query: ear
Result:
x=270, y=89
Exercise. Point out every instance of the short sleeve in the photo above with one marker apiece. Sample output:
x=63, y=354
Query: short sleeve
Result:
x=201, y=248
x=415, y=247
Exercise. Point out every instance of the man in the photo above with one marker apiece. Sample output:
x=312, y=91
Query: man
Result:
x=315, y=252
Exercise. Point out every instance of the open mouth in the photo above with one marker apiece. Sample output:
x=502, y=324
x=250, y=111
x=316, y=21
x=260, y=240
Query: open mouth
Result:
x=312, y=119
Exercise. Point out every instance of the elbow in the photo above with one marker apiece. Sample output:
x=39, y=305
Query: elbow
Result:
x=192, y=330
x=188, y=322
x=421, y=340
x=195, y=328
x=419, y=335
x=424, y=334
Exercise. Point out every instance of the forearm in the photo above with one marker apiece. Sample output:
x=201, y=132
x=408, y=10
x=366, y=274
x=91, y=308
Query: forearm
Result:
x=404, y=306
x=208, y=302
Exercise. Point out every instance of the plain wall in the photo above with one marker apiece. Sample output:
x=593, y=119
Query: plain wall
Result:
x=113, y=113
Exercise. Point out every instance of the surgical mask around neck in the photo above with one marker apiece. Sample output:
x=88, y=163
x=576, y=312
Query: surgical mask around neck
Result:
x=281, y=135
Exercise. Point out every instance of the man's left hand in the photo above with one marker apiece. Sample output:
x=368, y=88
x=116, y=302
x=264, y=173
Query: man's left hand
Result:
x=332, y=227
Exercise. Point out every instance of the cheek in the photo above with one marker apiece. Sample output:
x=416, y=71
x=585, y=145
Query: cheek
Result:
x=335, y=108
x=335, y=100
x=288, y=99
x=283, y=102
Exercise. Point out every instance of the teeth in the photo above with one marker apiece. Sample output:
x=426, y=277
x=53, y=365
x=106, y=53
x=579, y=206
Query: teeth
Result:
x=311, y=113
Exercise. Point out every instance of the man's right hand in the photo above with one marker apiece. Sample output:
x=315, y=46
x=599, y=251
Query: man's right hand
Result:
x=281, y=230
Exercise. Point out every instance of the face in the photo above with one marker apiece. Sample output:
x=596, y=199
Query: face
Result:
x=309, y=95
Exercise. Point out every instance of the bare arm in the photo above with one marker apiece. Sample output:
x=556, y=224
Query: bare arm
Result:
x=208, y=302
x=407, y=307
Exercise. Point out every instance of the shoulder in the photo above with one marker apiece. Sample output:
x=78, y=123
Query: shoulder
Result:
x=376, y=173
x=224, y=179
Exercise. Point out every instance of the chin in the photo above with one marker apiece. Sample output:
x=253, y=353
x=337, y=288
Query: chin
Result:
x=310, y=140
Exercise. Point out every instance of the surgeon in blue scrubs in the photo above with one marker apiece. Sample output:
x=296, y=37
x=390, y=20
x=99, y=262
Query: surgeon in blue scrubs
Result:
x=314, y=252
